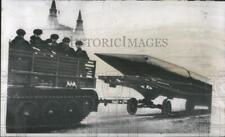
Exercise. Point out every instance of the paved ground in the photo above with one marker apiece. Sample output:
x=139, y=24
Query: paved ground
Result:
x=114, y=119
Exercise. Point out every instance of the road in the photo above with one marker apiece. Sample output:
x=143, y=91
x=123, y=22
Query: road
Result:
x=114, y=119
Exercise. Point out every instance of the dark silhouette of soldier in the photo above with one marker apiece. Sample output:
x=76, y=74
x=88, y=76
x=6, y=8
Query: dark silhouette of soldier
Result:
x=79, y=52
x=82, y=57
x=65, y=49
x=54, y=38
x=52, y=42
x=36, y=42
x=48, y=42
x=46, y=48
x=19, y=42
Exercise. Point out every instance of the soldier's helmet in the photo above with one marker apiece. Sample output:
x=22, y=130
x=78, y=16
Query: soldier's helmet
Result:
x=54, y=36
x=20, y=32
x=38, y=31
x=79, y=43
x=66, y=40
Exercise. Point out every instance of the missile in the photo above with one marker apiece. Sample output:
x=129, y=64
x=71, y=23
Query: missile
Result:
x=133, y=64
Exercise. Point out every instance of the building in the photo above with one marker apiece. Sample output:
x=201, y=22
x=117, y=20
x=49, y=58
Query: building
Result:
x=53, y=26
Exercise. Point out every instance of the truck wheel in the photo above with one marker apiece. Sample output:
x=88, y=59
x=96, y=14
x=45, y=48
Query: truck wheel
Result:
x=72, y=113
x=166, y=107
x=10, y=122
x=52, y=111
x=189, y=106
x=86, y=107
x=132, y=106
x=26, y=116
x=92, y=104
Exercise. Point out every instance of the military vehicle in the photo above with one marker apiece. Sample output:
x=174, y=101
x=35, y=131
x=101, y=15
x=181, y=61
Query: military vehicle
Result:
x=48, y=91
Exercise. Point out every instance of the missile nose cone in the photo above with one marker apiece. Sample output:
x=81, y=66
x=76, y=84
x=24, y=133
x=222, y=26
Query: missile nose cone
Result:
x=102, y=55
x=98, y=54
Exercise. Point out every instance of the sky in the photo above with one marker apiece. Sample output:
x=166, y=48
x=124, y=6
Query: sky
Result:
x=195, y=31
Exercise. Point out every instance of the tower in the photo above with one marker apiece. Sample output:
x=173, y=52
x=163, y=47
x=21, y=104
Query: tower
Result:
x=54, y=26
x=78, y=33
x=79, y=26
x=53, y=14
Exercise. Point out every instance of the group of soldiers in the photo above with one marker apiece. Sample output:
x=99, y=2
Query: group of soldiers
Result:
x=36, y=44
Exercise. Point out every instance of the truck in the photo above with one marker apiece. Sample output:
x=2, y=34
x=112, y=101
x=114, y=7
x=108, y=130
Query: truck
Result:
x=48, y=91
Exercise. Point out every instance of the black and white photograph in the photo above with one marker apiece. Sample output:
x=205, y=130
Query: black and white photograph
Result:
x=112, y=68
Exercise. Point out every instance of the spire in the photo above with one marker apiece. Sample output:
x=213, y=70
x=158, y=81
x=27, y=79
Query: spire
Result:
x=53, y=5
x=53, y=10
x=52, y=22
x=79, y=26
x=78, y=32
x=79, y=16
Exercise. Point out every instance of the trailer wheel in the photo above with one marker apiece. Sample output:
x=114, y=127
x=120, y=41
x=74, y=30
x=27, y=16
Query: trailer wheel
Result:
x=189, y=106
x=166, y=107
x=132, y=106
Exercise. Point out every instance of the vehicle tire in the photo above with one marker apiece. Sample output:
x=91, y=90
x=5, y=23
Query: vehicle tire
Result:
x=10, y=122
x=166, y=107
x=26, y=116
x=51, y=113
x=86, y=107
x=72, y=113
x=132, y=106
x=189, y=106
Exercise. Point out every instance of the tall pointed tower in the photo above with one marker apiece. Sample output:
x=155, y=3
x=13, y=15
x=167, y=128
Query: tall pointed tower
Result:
x=79, y=26
x=78, y=32
x=54, y=26
x=53, y=14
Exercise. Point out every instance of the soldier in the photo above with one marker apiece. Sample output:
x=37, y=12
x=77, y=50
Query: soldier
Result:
x=48, y=42
x=54, y=38
x=83, y=57
x=79, y=52
x=19, y=42
x=65, y=49
x=52, y=42
x=35, y=40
